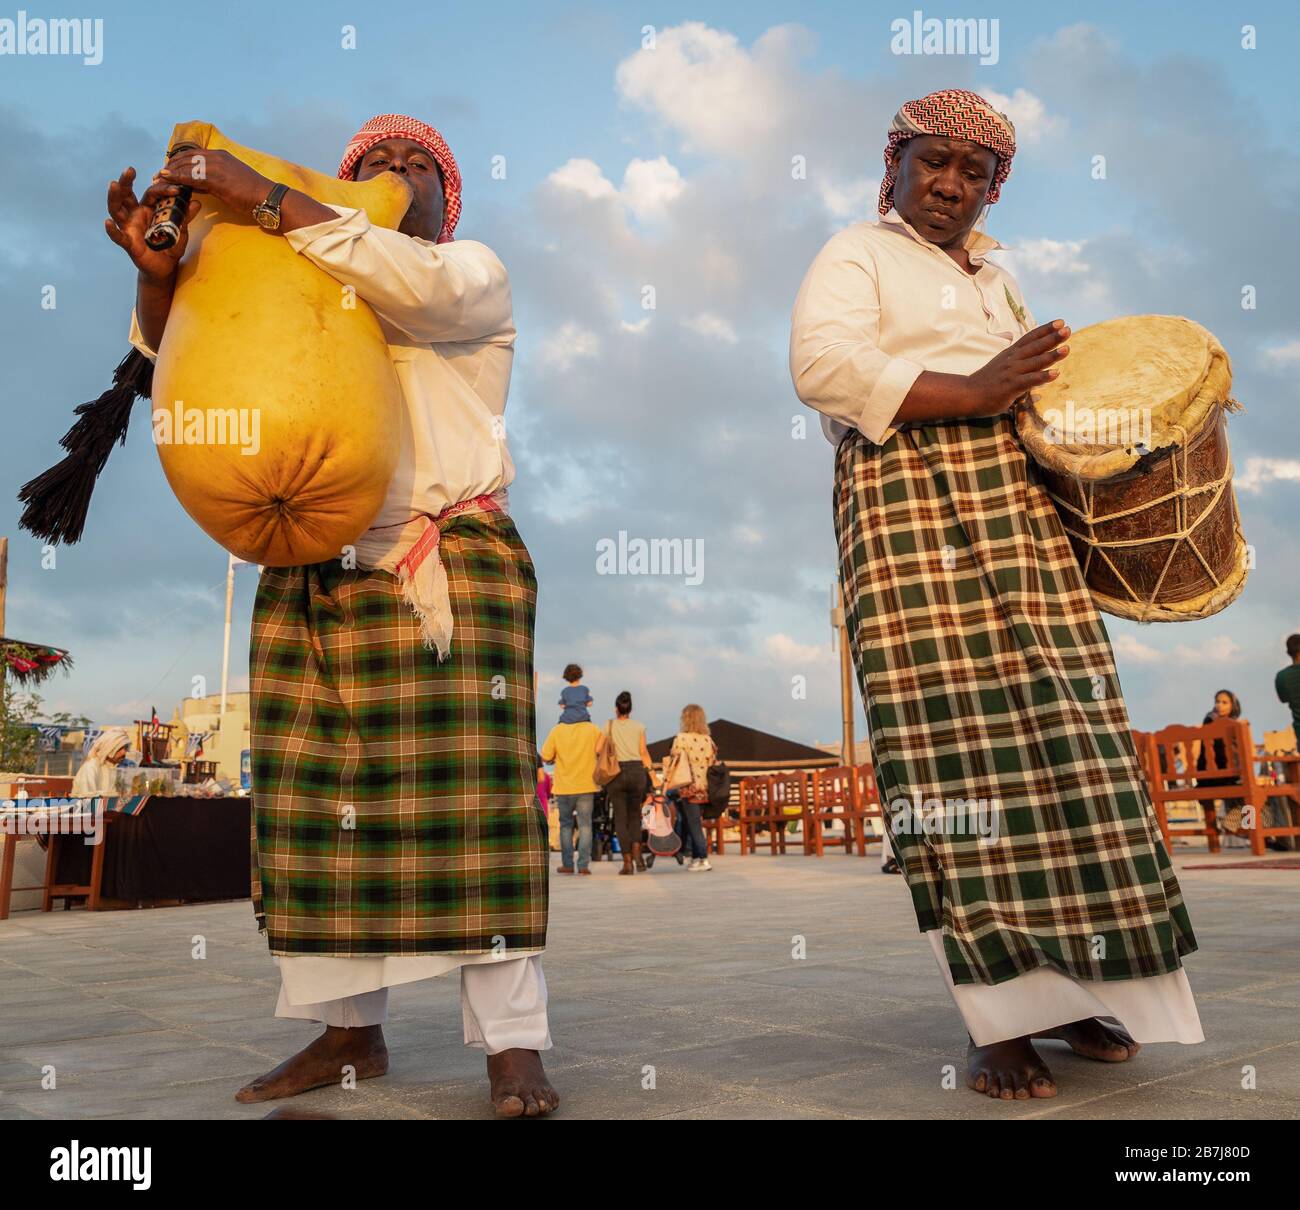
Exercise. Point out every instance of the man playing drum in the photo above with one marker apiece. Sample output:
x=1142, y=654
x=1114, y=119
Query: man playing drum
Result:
x=1002, y=749
x=397, y=835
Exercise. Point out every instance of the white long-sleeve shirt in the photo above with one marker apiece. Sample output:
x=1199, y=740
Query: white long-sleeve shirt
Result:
x=446, y=315
x=879, y=305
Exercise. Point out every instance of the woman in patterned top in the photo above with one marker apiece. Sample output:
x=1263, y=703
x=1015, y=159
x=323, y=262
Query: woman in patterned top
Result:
x=693, y=742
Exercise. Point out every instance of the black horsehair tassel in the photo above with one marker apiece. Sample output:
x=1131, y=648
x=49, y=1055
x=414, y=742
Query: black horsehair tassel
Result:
x=58, y=500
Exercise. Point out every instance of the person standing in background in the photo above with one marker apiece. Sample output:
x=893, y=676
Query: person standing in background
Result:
x=695, y=745
x=544, y=801
x=626, y=793
x=573, y=748
x=1287, y=684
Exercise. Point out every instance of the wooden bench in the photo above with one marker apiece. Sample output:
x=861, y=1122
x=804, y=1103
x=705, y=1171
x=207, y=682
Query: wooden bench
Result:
x=1168, y=783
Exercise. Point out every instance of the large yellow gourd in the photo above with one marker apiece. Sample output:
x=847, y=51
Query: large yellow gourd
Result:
x=265, y=351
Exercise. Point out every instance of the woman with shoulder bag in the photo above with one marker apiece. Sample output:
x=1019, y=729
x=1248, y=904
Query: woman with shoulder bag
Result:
x=687, y=783
x=626, y=792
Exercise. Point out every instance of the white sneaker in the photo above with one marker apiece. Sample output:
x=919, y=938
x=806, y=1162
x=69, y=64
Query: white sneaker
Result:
x=703, y=864
x=693, y=864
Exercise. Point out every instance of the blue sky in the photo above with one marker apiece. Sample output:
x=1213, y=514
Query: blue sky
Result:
x=627, y=167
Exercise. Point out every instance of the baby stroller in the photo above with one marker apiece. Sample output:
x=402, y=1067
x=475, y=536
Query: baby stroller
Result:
x=659, y=837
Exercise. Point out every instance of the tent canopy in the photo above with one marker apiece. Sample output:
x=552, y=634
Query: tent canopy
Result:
x=736, y=742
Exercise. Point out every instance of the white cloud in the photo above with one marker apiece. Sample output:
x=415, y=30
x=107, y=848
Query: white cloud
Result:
x=582, y=177
x=1059, y=268
x=708, y=324
x=1219, y=650
x=1049, y=256
x=1283, y=355
x=1134, y=649
x=851, y=199
x=719, y=96
x=651, y=186
x=1028, y=114
x=570, y=343
x=1261, y=471
x=782, y=649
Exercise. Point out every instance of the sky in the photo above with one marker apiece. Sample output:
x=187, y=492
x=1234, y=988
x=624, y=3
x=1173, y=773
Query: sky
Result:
x=652, y=145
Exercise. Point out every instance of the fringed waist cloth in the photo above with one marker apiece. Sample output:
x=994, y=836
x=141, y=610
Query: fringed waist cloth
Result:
x=988, y=679
x=394, y=792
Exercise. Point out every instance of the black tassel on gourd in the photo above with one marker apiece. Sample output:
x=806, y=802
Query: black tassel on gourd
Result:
x=58, y=500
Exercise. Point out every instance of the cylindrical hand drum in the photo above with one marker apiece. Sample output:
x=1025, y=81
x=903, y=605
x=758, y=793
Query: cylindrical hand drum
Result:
x=276, y=408
x=1131, y=444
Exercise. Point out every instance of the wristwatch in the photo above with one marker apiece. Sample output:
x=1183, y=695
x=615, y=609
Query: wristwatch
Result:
x=267, y=213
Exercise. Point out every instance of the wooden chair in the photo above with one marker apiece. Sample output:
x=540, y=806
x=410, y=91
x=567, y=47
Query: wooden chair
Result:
x=763, y=803
x=1170, y=784
x=834, y=801
x=1280, y=770
x=867, y=806
x=789, y=799
x=751, y=802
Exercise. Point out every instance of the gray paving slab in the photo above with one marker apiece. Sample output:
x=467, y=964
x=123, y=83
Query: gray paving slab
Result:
x=783, y=987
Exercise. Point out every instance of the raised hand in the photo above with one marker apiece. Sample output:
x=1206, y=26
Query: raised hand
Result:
x=129, y=218
x=1019, y=368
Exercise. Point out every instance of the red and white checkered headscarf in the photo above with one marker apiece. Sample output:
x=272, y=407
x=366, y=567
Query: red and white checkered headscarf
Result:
x=398, y=126
x=956, y=114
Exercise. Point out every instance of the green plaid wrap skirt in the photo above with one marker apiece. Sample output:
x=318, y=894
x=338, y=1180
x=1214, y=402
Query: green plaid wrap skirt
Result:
x=987, y=674
x=394, y=797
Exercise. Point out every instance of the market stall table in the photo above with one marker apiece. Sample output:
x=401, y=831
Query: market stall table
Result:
x=153, y=848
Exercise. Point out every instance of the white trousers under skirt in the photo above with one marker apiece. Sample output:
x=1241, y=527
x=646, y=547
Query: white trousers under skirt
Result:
x=1158, y=1009
x=503, y=1001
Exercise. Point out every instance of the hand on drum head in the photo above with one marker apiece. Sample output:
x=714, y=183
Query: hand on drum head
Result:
x=1019, y=368
x=129, y=218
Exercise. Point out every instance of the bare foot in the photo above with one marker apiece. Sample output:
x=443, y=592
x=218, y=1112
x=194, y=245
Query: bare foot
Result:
x=1094, y=1039
x=519, y=1087
x=1009, y=1070
x=322, y=1063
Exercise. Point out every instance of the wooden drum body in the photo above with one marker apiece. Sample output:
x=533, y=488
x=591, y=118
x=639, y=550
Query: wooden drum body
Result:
x=1131, y=443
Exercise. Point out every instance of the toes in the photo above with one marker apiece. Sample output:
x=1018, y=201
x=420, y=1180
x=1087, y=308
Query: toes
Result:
x=1042, y=1085
x=979, y=1082
x=1022, y=1086
x=509, y=1106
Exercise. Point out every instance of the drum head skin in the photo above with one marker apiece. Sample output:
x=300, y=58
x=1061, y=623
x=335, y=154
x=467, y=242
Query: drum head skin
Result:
x=1131, y=445
x=1129, y=386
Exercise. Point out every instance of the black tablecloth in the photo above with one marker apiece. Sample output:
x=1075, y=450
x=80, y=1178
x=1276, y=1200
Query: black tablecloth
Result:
x=176, y=848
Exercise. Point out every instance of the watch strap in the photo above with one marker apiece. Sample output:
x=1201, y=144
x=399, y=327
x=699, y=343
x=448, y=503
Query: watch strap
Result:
x=274, y=198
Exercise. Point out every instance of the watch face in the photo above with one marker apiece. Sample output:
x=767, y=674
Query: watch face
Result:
x=267, y=217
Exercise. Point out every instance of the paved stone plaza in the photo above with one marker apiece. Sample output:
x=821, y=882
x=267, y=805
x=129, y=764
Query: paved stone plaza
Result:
x=688, y=974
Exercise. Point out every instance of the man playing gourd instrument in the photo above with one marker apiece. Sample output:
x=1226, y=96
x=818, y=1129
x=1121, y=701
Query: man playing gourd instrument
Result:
x=397, y=835
x=1001, y=742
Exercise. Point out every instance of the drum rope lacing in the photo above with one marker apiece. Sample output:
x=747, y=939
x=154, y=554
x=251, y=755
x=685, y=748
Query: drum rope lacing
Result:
x=1183, y=531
